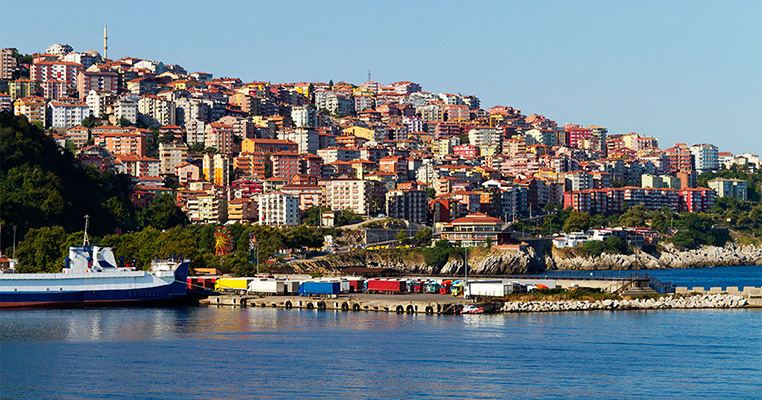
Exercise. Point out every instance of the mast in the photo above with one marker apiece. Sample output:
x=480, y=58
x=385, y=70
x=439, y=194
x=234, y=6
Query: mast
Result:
x=85, y=240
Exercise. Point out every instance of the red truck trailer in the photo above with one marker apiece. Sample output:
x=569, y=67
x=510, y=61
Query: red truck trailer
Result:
x=387, y=286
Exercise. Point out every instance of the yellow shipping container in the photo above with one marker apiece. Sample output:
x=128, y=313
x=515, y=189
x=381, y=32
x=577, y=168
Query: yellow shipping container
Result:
x=223, y=284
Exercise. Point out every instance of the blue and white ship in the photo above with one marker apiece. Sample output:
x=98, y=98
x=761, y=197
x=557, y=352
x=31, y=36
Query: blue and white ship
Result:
x=91, y=276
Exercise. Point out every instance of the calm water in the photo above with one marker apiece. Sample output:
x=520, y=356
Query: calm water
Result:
x=707, y=277
x=200, y=352
x=190, y=353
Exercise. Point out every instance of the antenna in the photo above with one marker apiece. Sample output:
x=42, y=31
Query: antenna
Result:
x=368, y=75
x=85, y=240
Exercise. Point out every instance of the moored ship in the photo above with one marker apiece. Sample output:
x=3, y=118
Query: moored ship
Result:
x=91, y=276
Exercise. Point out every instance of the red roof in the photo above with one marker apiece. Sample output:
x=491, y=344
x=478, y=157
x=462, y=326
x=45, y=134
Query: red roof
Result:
x=477, y=219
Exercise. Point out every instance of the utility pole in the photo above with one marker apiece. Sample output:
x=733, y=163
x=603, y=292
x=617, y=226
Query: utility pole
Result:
x=14, y=242
x=254, y=250
x=465, y=261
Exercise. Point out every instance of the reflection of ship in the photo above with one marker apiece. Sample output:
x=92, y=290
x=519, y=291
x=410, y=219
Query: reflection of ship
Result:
x=91, y=276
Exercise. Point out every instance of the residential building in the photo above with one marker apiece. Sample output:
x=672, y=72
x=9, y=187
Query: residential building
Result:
x=488, y=140
x=156, y=111
x=23, y=88
x=187, y=172
x=65, y=115
x=242, y=210
x=304, y=116
x=735, y=188
x=278, y=209
x=99, y=102
x=62, y=71
x=220, y=136
x=132, y=142
x=307, y=139
x=268, y=146
x=126, y=108
x=705, y=157
x=33, y=107
x=216, y=169
x=660, y=181
x=285, y=164
x=99, y=81
x=171, y=155
x=347, y=194
x=614, y=200
x=8, y=63
x=475, y=229
x=410, y=205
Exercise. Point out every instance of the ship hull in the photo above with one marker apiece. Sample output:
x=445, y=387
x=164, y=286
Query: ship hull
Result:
x=118, y=288
x=174, y=293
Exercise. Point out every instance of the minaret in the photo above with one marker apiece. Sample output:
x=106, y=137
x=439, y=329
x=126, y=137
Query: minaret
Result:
x=105, y=42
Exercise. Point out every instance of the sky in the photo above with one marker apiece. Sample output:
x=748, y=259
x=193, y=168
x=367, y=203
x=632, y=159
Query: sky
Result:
x=682, y=71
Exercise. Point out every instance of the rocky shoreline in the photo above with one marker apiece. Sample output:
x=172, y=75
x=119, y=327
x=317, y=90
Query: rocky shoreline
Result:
x=668, y=257
x=528, y=260
x=660, y=303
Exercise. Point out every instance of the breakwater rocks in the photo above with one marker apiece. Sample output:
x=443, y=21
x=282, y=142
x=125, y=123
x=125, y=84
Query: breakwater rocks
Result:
x=668, y=257
x=660, y=303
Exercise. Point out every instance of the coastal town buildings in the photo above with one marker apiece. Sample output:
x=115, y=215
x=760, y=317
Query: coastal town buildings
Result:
x=268, y=152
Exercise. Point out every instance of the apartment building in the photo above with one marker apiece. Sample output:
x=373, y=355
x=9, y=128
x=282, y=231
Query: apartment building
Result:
x=278, y=209
x=65, y=115
x=410, y=205
x=33, y=107
x=171, y=155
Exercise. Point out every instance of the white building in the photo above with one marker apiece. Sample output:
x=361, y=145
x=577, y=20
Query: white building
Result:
x=705, y=157
x=488, y=140
x=307, y=139
x=278, y=209
x=334, y=103
x=99, y=102
x=346, y=194
x=66, y=115
x=304, y=116
x=126, y=108
x=537, y=136
x=156, y=110
x=171, y=155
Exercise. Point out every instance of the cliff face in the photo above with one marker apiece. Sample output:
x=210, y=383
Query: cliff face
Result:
x=487, y=262
x=533, y=260
x=669, y=257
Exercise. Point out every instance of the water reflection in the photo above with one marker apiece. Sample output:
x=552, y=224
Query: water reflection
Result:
x=232, y=353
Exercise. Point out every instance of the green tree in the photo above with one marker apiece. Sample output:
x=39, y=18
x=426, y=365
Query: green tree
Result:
x=162, y=213
x=577, y=221
x=125, y=122
x=422, y=237
x=40, y=251
x=634, y=216
x=89, y=122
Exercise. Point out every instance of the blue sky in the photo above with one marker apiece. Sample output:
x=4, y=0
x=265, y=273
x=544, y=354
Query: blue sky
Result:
x=680, y=70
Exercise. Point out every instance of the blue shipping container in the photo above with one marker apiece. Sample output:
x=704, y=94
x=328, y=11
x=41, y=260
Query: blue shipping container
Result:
x=318, y=287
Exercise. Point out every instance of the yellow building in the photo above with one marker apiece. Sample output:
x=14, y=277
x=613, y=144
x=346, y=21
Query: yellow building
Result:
x=32, y=107
x=216, y=169
x=360, y=132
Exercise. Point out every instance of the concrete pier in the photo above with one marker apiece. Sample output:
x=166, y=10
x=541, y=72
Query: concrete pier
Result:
x=401, y=304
